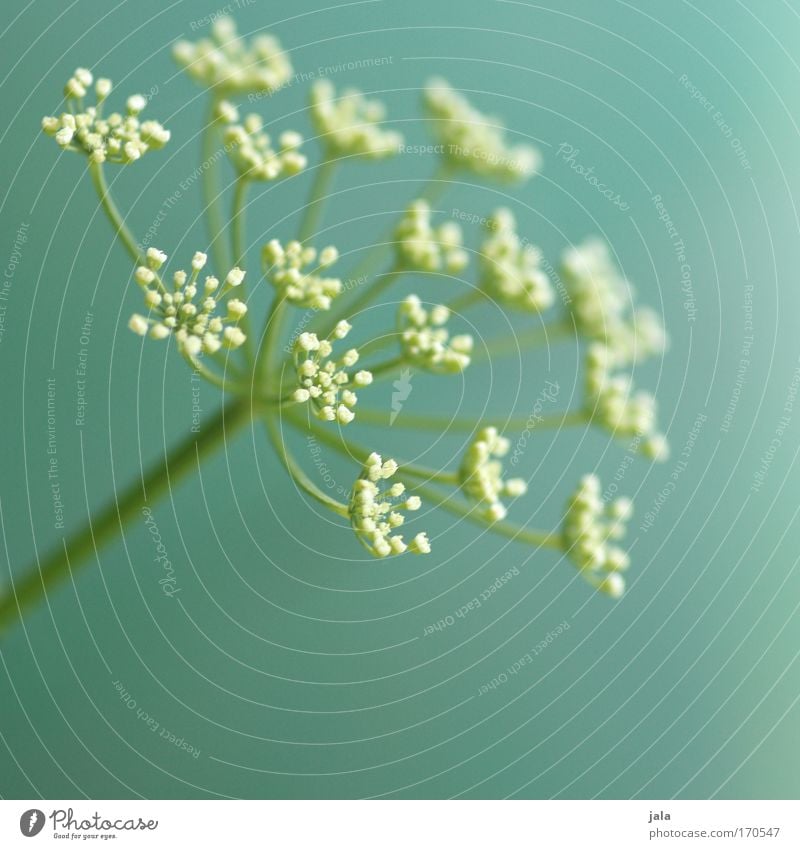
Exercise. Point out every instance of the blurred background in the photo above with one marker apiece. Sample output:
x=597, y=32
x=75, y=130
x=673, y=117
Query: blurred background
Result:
x=291, y=665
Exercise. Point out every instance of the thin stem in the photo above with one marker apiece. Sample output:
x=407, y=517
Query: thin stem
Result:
x=238, y=250
x=443, y=424
x=211, y=190
x=545, y=334
x=109, y=523
x=463, y=302
x=385, y=368
x=270, y=420
x=114, y=216
x=315, y=205
x=367, y=296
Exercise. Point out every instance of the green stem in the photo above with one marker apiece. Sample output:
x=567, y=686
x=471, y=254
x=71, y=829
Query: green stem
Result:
x=239, y=251
x=212, y=192
x=109, y=523
x=545, y=334
x=443, y=423
x=316, y=201
x=386, y=368
x=114, y=216
x=463, y=302
x=295, y=472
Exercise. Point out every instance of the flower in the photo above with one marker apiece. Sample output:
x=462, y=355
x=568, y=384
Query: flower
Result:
x=324, y=382
x=601, y=302
x=474, y=141
x=588, y=529
x=422, y=247
x=481, y=473
x=118, y=138
x=350, y=124
x=253, y=156
x=374, y=510
x=426, y=342
x=226, y=63
x=189, y=312
x=614, y=405
x=285, y=269
x=510, y=267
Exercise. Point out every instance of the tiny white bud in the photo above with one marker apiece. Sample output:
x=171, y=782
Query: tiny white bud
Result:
x=199, y=260
x=138, y=324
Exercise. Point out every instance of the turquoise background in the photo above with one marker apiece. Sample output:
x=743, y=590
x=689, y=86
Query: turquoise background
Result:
x=297, y=667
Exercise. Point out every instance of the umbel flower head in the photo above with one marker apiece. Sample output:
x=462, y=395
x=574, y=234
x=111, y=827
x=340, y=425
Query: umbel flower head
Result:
x=474, y=141
x=614, y=405
x=422, y=247
x=427, y=343
x=510, y=268
x=375, y=510
x=601, y=304
x=349, y=125
x=323, y=382
x=589, y=529
x=294, y=272
x=228, y=64
x=252, y=153
x=117, y=138
x=189, y=311
x=481, y=474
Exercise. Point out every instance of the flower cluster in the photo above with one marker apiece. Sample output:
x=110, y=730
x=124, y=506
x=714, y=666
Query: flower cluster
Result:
x=481, y=474
x=425, y=340
x=287, y=270
x=422, y=247
x=601, y=304
x=590, y=526
x=227, y=64
x=324, y=382
x=252, y=153
x=118, y=138
x=374, y=510
x=510, y=268
x=189, y=311
x=474, y=141
x=349, y=125
x=613, y=404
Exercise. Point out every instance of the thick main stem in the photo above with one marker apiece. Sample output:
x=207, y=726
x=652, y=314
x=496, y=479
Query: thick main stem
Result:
x=46, y=574
x=211, y=191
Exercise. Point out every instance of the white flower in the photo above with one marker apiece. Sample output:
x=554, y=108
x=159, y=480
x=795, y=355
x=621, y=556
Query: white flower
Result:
x=253, y=155
x=349, y=125
x=294, y=272
x=227, y=64
x=324, y=382
x=475, y=141
x=589, y=527
x=427, y=343
x=188, y=311
x=481, y=474
x=119, y=139
x=510, y=268
x=601, y=302
x=235, y=277
x=423, y=247
x=375, y=510
x=613, y=404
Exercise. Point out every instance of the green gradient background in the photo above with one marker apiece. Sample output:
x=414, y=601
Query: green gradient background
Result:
x=303, y=675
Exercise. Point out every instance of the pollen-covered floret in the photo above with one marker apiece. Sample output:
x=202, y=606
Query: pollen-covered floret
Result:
x=481, y=473
x=188, y=310
x=326, y=383
x=511, y=269
x=475, y=141
x=601, y=302
x=349, y=124
x=229, y=65
x=375, y=510
x=294, y=271
x=118, y=138
x=253, y=154
x=590, y=528
x=425, y=340
x=422, y=247
x=613, y=404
